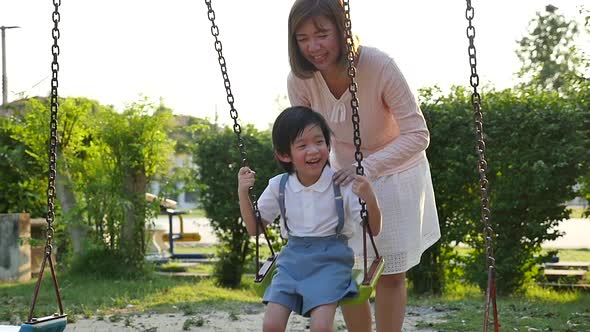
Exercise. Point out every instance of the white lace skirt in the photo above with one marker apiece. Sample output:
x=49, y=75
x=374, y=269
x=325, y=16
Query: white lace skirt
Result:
x=410, y=221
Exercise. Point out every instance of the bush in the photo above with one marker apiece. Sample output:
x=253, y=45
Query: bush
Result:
x=101, y=262
x=217, y=176
x=536, y=149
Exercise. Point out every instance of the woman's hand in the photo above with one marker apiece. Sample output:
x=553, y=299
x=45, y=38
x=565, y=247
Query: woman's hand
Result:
x=344, y=176
x=246, y=179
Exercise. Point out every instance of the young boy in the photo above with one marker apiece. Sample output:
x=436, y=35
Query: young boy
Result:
x=314, y=269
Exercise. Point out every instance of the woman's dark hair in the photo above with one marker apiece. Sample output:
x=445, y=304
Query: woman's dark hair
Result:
x=290, y=124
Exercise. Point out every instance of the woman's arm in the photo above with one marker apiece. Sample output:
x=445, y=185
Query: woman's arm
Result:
x=414, y=136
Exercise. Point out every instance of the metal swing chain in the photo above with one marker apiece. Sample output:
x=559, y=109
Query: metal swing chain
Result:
x=354, y=103
x=51, y=191
x=236, y=126
x=482, y=168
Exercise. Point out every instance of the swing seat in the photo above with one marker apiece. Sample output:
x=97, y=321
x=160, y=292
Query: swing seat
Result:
x=53, y=323
x=365, y=287
x=265, y=274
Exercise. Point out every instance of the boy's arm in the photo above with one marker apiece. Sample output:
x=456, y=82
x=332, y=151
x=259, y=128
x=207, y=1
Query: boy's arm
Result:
x=247, y=212
x=245, y=181
x=363, y=189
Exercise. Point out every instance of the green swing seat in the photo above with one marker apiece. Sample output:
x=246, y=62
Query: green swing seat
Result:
x=365, y=287
x=54, y=323
x=365, y=284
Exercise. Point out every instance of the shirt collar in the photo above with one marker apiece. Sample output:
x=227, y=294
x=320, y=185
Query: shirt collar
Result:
x=321, y=184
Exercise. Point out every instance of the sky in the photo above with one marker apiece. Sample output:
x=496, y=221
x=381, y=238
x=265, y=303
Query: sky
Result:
x=116, y=51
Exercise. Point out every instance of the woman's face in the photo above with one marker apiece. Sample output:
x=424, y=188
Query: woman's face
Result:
x=319, y=43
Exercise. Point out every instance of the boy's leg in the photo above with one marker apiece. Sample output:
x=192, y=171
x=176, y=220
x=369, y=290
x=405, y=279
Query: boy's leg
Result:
x=322, y=318
x=276, y=317
x=357, y=317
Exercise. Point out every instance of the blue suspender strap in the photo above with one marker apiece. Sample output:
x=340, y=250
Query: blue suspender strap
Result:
x=282, y=186
x=339, y=208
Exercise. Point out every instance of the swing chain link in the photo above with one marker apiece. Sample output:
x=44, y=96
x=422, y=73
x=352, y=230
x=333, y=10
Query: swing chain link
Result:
x=51, y=191
x=354, y=102
x=237, y=128
x=52, y=172
x=230, y=97
x=482, y=164
x=358, y=155
x=482, y=168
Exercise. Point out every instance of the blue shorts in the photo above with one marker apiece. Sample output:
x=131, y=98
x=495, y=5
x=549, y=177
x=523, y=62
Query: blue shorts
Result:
x=312, y=271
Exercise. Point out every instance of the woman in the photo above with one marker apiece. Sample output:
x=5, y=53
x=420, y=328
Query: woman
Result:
x=394, y=139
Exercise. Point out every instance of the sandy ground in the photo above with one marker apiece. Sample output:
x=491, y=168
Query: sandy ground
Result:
x=248, y=320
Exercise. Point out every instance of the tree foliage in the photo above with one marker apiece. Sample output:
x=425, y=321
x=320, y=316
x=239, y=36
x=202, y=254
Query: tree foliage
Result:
x=135, y=148
x=20, y=175
x=219, y=161
x=550, y=55
x=105, y=160
x=537, y=146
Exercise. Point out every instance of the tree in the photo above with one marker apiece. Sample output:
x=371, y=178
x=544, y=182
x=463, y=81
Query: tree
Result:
x=549, y=55
x=23, y=187
x=219, y=161
x=136, y=148
x=73, y=131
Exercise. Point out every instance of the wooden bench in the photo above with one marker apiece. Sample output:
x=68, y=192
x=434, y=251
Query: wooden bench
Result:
x=555, y=274
x=567, y=265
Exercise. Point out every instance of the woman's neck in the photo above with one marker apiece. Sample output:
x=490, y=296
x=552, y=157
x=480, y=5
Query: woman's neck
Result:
x=337, y=80
x=336, y=77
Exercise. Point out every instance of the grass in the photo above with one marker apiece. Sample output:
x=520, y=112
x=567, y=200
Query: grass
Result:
x=196, y=213
x=88, y=297
x=199, y=249
x=582, y=255
x=537, y=309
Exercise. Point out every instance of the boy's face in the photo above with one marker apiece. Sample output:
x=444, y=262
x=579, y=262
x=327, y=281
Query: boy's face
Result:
x=309, y=154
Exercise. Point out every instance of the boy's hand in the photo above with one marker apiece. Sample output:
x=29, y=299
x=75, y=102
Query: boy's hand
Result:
x=246, y=178
x=361, y=186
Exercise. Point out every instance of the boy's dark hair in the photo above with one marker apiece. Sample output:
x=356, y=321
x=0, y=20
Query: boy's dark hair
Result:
x=290, y=124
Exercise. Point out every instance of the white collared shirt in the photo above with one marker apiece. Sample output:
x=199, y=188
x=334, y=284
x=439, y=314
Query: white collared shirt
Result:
x=310, y=211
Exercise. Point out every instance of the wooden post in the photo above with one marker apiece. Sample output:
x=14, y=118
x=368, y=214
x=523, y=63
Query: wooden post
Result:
x=15, y=250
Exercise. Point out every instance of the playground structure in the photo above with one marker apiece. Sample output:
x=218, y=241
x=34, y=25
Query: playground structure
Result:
x=164, y=240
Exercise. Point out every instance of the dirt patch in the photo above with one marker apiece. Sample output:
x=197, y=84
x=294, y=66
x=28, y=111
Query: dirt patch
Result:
x=250, y=319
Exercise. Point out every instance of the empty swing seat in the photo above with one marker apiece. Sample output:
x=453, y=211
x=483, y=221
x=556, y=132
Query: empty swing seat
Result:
x=55, y=323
